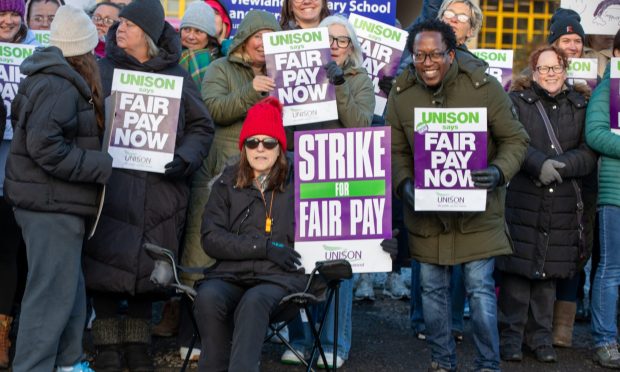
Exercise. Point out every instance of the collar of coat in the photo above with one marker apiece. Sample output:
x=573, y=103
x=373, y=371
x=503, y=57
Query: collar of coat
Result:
x=465, y=63
x=530, y=92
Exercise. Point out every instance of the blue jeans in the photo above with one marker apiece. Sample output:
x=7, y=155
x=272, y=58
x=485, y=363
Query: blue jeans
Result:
x=301, y=337
x=457, y=291
x=53, y=311
x=607, y=278
x=436, y=300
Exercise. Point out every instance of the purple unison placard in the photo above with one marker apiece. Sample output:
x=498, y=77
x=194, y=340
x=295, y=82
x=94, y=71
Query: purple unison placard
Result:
x=382, y=47
x=448, y=145
x=614, y=95
x=343, y=195
x=500, y=64
x=11, y=57
x=296, y=61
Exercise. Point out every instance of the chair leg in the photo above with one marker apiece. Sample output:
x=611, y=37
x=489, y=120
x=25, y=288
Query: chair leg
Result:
x=194, y=337
x=317, y=334
x=336, y=305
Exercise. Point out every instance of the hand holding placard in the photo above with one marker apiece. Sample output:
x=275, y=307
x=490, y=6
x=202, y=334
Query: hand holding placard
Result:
x=262, y=83
x=386, y=83
x=283, y=256
x=334, y=73
x=176, y=168
x=407, y=194
x=391, y=245
x=487, y=178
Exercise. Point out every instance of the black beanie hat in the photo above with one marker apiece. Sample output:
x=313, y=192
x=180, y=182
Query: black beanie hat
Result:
x=564, y=22
x=148, y=15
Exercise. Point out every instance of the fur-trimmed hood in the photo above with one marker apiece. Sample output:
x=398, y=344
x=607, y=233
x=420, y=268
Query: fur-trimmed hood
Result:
x=523, y=82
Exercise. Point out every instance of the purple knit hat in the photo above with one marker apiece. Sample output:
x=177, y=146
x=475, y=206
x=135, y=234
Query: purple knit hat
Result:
x=16, y=6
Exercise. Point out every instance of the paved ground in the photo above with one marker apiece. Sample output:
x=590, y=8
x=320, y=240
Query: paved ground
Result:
x=382, y=341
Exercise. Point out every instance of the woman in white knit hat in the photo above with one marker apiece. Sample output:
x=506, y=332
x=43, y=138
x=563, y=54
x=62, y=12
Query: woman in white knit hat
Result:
x=54, y=173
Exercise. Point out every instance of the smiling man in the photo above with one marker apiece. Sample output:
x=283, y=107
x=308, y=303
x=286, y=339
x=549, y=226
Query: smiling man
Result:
x=442, y=76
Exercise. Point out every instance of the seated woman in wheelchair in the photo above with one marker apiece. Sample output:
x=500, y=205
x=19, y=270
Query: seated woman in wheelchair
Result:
x=248, y=226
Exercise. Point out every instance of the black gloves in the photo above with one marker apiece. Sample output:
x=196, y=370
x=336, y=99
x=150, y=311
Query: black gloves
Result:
x=334, y=73
x=283, y=256
x=487, y=178
x=407, y=193
x=385, y=84
x=548, y=172
x=391, y=245
x=176, y=168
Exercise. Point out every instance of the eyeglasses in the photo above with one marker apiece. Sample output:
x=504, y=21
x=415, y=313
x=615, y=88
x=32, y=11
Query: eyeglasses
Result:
x=106, y=21
x=461, y=17
x=268, y=143
x=341, y=41
x=420, y=57
x=42, y=18
x=545, y=69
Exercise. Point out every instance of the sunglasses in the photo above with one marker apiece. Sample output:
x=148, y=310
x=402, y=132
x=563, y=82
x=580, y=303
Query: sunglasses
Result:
x=268, y=143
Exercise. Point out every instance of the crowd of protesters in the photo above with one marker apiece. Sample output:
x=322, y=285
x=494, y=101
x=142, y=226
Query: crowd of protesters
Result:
x=553, y=191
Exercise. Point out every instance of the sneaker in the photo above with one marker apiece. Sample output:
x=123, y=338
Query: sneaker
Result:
x=194, y=356
x=364, y=290
x=435, y=367
x=330, y=359
x=420, y=336
x=395, y=287
x=78, y=367
x=291, y=359
x=546, y=354
x=510, y=353
x=607, y=356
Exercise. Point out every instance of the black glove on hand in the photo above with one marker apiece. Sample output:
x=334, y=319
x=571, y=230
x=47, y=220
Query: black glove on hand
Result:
x=334, y=73
x=385, y=84
x=407, y=194
x=548, y=172
x=176, y=168
x=487, y=178
x=283, y=256
x=391, y=245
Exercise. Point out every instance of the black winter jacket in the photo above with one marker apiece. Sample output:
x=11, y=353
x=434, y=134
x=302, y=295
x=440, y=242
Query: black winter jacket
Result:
x=233, y=232
x=55, y=162
x=543, y=219
x=140, y=206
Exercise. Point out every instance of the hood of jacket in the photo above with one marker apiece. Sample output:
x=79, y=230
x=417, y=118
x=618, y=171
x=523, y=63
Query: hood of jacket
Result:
x=464, y=62
x=252, y=23
x=51, y=61
x=169, y=45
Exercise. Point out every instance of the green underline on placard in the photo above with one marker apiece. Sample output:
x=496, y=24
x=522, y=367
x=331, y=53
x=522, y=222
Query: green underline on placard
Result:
x=345, y=189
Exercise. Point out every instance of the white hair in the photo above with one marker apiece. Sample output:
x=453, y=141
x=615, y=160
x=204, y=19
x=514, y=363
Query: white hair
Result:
x=356, y=55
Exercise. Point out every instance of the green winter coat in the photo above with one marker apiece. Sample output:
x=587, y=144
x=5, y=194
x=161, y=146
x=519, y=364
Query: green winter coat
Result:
x=228, y=93
x=600, y=138
x=449, y=238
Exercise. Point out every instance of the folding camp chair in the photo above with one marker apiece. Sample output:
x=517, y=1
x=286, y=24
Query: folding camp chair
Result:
x=322, y=285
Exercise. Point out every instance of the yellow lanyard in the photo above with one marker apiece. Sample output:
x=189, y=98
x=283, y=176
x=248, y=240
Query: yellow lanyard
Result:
x=268, y=218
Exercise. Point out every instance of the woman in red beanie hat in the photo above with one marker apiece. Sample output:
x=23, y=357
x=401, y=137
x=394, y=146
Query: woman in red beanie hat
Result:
x=248, y=226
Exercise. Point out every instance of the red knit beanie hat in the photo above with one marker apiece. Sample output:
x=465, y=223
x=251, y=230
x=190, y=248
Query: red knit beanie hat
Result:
x=264, y=118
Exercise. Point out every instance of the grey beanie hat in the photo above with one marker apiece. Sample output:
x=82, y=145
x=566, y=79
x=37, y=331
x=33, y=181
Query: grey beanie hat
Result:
x=200, y=16
x=73, y=32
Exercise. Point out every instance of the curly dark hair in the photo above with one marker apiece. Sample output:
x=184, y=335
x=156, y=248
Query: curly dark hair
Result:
x=447, y=34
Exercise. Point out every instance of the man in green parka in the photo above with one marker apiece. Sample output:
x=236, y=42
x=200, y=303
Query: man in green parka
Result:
x=443, y=77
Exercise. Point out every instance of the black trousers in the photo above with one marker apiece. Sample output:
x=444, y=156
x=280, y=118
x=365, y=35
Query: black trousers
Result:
x=525, y=308
x=10, y=240
x=232, y=320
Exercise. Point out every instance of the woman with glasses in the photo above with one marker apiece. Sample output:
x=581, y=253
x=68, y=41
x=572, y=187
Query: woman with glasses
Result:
x=104, y=16
x=464, y=17
x=248, y=226
x=355, y=99
x=40, y=13
x=543, y=205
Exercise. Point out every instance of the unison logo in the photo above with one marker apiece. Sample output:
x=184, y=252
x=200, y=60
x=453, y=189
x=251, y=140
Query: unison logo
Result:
x=336, y=253
x=450, y=199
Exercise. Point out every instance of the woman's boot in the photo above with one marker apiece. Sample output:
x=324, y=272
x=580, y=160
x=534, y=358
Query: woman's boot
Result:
x=563, y=322
x=5, y=343
x=107, y=339
x=137, y=344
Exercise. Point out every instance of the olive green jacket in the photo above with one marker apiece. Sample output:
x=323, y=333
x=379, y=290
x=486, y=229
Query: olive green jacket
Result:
x=449, y=238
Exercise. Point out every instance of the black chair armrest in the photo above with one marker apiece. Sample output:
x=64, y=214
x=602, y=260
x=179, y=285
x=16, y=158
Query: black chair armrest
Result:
x=334, y=270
